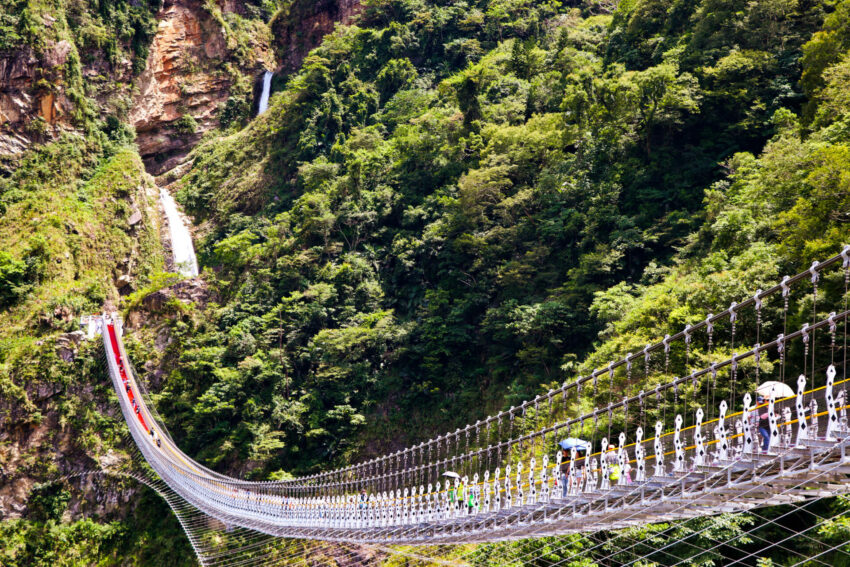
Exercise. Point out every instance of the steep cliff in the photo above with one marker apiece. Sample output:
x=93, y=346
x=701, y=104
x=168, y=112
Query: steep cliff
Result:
x=170, y=76
x=302, y=25
x=201, y=56
x=66, y=68
x=29, y=112
x=81, y=221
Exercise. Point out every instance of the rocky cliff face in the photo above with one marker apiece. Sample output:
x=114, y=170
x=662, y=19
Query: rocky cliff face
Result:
x=55, y=76
x=200, y=55
x=303, y=26
x=30, y=452
x=197, y=61
x=31, y=108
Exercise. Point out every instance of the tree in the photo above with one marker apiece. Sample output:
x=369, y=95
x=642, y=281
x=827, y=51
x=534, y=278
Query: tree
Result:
x=525, y=58
x=483, y=188
x=47, y=502
x=833, y=100
x=394, y=76
x=818, y=220
x=467, y=98
x=662, y=97
x=13, y=275
x=823, y=50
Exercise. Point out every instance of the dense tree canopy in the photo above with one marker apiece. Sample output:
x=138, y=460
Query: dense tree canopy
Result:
x=449, y=203
x=451, y=206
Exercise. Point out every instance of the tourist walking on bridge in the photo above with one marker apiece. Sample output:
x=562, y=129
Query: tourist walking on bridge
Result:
x=763, y=422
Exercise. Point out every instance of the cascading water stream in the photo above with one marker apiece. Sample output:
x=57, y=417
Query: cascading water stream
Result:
x=181, y=240
x=267, y=87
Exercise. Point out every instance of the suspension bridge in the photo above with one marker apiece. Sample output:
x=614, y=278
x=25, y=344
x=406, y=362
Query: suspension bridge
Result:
x=697, y=444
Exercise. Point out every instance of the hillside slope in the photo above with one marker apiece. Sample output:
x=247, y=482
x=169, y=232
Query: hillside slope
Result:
x=447, y=208
x=413, y=235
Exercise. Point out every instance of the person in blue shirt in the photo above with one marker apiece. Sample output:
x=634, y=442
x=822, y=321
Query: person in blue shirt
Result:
x=763, y=423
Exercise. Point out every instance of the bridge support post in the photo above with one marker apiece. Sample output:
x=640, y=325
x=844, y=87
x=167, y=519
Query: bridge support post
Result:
x=832, y=416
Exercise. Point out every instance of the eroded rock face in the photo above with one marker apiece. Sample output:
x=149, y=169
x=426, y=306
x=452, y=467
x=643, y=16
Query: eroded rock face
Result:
x=29, y=113
x=307, y=22
x=195, y=62
x=189, y=73
x=189, y=291
x=16, y=75
x=23, y=445
x=39, y=87
x=168, y=88
x=68, y=344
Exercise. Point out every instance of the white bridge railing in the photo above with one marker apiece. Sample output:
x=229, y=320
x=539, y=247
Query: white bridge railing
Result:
x=510, y=480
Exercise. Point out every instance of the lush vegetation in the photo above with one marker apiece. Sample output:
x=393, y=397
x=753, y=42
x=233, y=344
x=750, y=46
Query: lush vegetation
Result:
x=150, y=535
x=65, y=238
x=444, y=208
x=110, y=28
x=450, y=207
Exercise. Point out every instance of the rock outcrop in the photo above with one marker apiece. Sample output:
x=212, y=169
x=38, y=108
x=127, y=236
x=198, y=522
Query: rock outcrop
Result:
x=191, y=71
x=303, y=26
x=68, y=344
x=157, y=305
x=31, y=109
x=31, y=453
x=201, y=54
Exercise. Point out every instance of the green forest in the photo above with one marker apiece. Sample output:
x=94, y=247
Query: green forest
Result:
x=450, y=207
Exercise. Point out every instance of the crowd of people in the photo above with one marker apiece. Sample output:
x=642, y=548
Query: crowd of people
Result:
x=582, y=466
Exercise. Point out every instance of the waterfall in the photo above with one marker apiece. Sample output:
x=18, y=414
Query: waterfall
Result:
x=267, y=87
x=181, y=240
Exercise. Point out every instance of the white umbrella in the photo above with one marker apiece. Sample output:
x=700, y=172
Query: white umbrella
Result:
x=451, y=474
x=779, y=390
